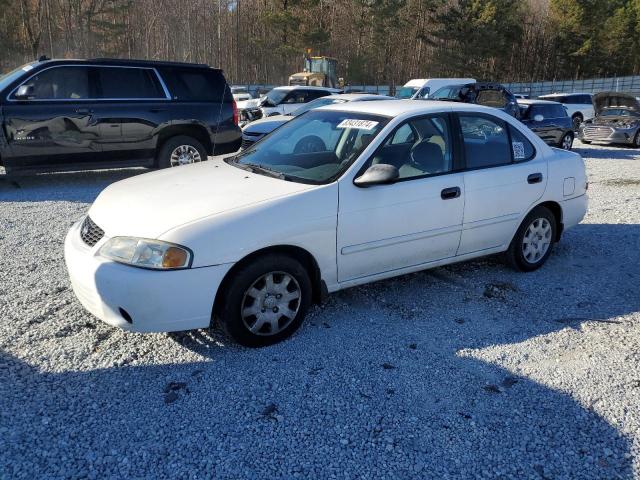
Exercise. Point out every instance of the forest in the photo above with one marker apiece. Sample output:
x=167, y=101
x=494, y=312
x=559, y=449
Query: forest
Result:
x=383, y=42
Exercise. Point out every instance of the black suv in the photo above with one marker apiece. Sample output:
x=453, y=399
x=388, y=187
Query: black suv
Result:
x=103, y=113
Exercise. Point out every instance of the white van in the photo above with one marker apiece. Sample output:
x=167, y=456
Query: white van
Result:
x=422, y=87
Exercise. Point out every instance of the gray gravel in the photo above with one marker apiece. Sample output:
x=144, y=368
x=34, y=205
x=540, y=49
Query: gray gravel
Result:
x=466, y=371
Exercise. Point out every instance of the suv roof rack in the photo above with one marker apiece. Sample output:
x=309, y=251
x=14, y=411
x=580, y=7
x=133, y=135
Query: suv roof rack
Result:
x=147, y=62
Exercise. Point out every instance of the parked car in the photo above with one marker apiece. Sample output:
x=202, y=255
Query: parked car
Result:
x=421, y=88
x=252, y=240
x=480, y=93
x=549, y=120
x=579, y=105
x=258, y=129
x=617, y=120
x=240, y=94
x=87, y=114
x=281, y=101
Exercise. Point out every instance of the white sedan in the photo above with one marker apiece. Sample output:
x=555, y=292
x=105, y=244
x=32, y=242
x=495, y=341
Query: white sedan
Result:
x=252, y=240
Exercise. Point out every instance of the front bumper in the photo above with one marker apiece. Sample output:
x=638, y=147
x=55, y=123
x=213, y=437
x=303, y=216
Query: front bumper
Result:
x=606, y=134
x=140, y=300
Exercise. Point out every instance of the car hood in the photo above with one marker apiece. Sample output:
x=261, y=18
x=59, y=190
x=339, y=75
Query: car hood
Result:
x=267, y=125
x=151, y=204
x=613, y=121
x=614, y=99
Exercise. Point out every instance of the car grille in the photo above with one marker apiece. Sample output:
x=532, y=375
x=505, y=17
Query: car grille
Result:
x=596, y=133
x=90, y=232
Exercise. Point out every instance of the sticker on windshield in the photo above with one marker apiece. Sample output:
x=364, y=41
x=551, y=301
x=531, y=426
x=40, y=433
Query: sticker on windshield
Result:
x=518, y=150
x=359, y=124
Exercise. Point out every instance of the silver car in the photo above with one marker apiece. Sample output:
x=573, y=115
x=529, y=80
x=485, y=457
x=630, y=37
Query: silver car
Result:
x=617, y=120
x=254, y=131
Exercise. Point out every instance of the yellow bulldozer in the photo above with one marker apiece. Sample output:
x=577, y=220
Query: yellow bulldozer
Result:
x=318, y=72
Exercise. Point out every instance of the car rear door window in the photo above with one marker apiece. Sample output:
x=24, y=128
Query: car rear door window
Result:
x=521, y=147
x=486, y=141
x=128, y=83
x=196, y=84
x=60, y=83
x=313, y=94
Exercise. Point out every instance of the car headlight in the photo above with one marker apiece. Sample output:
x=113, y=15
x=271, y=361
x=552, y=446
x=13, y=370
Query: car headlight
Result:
x=140, y=252
x=626, y=125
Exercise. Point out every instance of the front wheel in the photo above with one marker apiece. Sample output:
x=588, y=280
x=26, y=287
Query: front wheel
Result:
x=181, y=150
x=265, y=301
x=533, y=242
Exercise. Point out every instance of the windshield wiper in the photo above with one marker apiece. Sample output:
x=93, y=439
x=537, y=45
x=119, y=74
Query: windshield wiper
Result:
x=267, y=171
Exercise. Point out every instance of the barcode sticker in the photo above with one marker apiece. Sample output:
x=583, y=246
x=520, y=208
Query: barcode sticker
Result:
x=359, y=124
x=518, y=150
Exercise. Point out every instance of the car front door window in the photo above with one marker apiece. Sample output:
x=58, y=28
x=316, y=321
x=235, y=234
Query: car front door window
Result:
x=60, y=83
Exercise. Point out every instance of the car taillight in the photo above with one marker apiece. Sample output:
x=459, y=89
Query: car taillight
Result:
x=236, y=120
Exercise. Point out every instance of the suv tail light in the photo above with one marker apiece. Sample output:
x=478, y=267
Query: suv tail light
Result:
x=236, y=120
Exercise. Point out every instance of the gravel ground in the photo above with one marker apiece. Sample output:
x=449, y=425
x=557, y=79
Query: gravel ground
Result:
x=471, y=370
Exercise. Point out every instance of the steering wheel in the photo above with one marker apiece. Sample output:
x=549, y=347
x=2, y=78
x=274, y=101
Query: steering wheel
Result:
x=310, y=144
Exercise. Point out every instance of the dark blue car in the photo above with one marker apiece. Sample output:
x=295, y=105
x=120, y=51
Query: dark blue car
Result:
x=548, y=120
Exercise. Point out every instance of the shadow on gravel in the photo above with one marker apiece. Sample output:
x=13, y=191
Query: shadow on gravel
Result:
x=381, y=382
x=608, y=152
x=81, y=187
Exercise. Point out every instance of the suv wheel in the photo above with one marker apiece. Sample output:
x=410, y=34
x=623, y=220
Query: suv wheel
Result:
x=533, y=242
x=567, y=141
x=265, y=301
x=577, y=120
x=181, y=150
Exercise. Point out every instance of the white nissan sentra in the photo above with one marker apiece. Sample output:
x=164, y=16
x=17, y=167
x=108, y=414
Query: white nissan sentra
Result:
x=340, y=196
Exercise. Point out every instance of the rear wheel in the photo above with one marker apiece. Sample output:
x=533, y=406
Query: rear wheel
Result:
x=181, y=150
x=567, y=141
x=576, y=120
x=265, y=301
x=533, y=242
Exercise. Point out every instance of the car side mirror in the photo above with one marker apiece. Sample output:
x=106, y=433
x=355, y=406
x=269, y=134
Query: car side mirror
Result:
x=538, y=118
x=380, y=174
x=24, y=92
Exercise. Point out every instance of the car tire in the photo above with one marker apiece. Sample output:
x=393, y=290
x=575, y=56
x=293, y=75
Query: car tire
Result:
x=533, y=242
x=636, y=140
x=576, y=120
x=181, y=150
x=567, y=141
x=255, y=302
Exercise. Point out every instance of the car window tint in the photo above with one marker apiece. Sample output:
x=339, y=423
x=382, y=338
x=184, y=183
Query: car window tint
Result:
x=522, y=148
x=128, y=83
x=486, y=142
x=417, y=148
x=196, y=85
x=313, y=94
x=60, y=83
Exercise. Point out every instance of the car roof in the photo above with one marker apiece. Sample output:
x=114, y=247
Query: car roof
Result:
x=127, y=62
x=558, y=94
x=350, y=97
x=297, y=87
x=395, y=108
x=534, y=101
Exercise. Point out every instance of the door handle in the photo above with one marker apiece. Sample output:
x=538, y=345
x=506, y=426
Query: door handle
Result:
x=534, y=178
x=450, y=193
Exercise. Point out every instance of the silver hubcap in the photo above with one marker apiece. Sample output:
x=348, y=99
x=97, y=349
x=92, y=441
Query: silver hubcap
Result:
x=537, y=240
x=566, y=142
x=271, y=303
x=184, y=155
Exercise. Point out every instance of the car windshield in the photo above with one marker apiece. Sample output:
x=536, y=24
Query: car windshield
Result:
x=8, y=78
x=275, y=96
x=616, y=112
x=406, y=92
x=316, y=147
x=318, y=102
